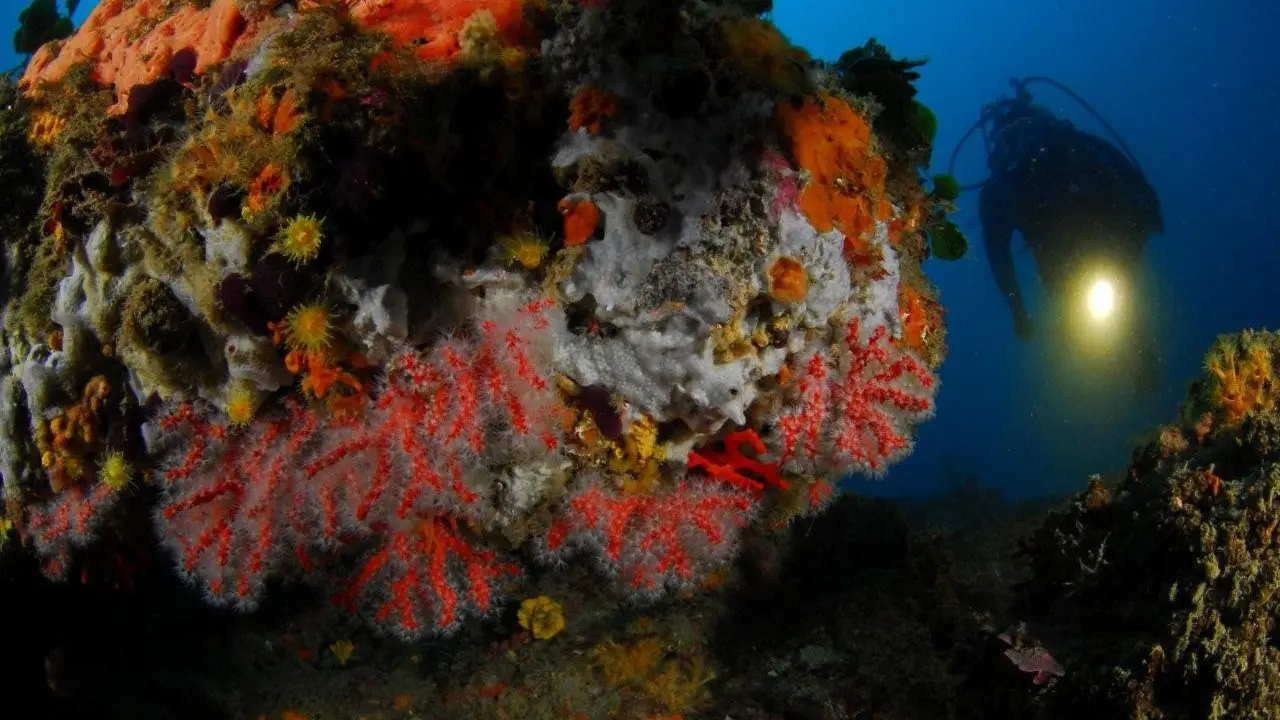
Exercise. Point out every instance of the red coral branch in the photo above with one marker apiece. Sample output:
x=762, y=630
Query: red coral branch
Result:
x=728, y=465
x=243, y=507
x=857, y=404
x=66, y=522
x=654, y=541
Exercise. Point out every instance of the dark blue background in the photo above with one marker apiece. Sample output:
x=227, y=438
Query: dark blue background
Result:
x=1193, y=89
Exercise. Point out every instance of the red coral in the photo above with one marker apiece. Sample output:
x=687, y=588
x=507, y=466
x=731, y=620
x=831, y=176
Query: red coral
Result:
x=430, y=566
x=241, y=508
x=728, y=465
x=655, y=541
x=857, y=404
x=67, y=521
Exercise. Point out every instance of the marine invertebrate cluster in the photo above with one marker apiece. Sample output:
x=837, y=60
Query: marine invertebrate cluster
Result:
x=1241, y=376
x=245, y=501
x=403, y=307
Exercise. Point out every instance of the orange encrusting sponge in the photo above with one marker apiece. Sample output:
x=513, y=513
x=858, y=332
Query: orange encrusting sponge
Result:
x=845, y=189
x=434, y=25
x=125, y=60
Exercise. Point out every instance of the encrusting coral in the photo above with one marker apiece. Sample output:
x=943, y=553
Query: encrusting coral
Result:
x=398, y=297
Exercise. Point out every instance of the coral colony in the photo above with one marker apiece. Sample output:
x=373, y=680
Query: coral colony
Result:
x=400, y=297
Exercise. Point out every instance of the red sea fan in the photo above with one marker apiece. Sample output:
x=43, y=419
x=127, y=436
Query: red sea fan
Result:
x=399, y=479
x=858, y=403
x=669, y=539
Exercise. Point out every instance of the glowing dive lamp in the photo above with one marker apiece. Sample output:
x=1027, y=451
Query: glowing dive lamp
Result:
x=1101, y=299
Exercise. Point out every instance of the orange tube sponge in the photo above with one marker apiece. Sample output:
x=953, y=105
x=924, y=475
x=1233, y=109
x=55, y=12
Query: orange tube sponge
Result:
x=846, y=177
x=124, y=58
x=434, y=25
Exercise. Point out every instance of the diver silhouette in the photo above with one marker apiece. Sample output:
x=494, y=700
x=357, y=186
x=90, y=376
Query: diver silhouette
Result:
x=1078, y=202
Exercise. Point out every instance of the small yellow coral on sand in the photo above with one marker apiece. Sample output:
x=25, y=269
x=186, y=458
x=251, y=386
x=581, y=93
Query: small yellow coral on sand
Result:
x=542, y=617
x=300, y=240
x=115, y=472
x=308, y=327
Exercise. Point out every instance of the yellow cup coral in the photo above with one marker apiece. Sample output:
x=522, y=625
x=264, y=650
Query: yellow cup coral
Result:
x=115, y=472
x=525, y=249
x=542, y=617
x=300, y=240
x=241, y=404
x=308, y=327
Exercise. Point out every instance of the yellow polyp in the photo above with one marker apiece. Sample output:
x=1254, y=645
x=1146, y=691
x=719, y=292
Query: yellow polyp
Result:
x=642, y=438
x=308, y=327
x=1241, y=378
x=626, y=663
x=643, y=480
x=46, y=127
x=541, y=616
x=115, y=472
x=241, y=405
x=301, y=239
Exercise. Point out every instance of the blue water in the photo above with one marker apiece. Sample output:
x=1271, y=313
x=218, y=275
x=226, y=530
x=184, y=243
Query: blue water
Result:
x=9, y=10
x=1194, y=92
x=1194, y=89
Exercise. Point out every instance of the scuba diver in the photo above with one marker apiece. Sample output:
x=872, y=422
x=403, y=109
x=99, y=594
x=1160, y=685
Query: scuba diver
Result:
x=1083, y=207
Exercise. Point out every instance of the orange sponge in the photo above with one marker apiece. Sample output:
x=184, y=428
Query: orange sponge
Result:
x=434, y=25
x=846, y=176
x=124, y=58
